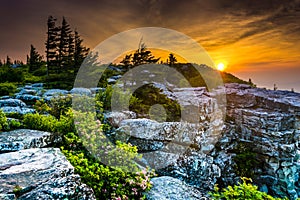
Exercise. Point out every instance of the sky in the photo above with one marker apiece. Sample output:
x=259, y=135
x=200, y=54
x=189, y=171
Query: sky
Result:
x=257, y=39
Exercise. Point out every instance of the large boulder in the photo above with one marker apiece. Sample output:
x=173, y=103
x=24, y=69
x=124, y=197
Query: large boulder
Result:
x=115, y=118
x=28, y=98
x=12, y=103
x=40, y=174
x=30, y=168
x=169, y=188
x=49, y=94
x=15, y=106
x=266, y=123
x=69, y=187
x=148, y=134
x=24, y=139
x=81, y=91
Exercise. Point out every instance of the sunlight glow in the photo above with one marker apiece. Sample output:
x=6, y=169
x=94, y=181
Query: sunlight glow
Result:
x=221, y=66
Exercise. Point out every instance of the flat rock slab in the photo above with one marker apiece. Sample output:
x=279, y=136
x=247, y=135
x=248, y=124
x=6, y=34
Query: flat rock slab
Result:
x=24, y=139
x=69, y=187
x=31, y=168
x=168, y=188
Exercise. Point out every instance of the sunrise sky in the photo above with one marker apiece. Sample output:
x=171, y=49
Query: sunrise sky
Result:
x=255, y=39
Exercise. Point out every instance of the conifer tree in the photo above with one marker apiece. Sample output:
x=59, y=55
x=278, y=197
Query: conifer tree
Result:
x=35, y=59
x=63, y=51
x=8, y=61
x=143, y=56
x=172, y=59
x=52, y=44
x=80, y=52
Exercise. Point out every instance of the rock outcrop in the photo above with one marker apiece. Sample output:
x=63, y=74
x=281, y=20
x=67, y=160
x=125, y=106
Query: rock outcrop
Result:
x=15, y=106
x=40, y=173
x=168, y=188
x=266, y=123
x=25, y=139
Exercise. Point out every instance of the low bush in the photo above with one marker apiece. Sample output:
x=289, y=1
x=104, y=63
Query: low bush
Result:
x=14, y=124
x=241, y=191
x=3, y=121
x=110, y=169
x=40, y=122
x=7, y=89
x=106, y=167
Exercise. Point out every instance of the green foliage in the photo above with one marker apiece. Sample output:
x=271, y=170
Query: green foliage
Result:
x=60, y=105
x=118, y=176
x=3, y=120
x=30, y=78
x=9, y=74
x=246, y=161
x=120, y=96
x=7, y=89
x=13, y=124
x=14, y=115
x=148, y=96
x=241, y=191
x=106, y=167
x=35, y=59
x=41, y=107
x=106, y=182
x=40, y=122
x=17, y=190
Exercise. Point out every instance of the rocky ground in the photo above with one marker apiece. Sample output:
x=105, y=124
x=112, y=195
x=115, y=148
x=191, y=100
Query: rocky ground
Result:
x=190, y=156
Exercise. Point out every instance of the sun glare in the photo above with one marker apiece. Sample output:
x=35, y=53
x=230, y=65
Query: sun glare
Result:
x=221, y=67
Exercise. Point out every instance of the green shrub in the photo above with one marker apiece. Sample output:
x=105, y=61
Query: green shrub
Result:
x=241, y=191
x=14, y=115
x=60, y=105
x=118, y=176
x=40, y=122
x=7, y=89
x=3, y=121
x=246, y=161
x=9, y=74
x=14, y=124
x=41, y=107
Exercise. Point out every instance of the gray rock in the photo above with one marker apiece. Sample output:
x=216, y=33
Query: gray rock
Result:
x=168, y=188
x=97, y=90
x=184, y=134
x=5, y=97
x=41, y=174
x=18, y=110
x=69, y=187
x=24, y=139
x=30, y=168
x=7, y=196
x=55, y=92
x=37, y=85
x=12, y=103
x=115, y=118
x=81, y=91
x=28, y=98
x=28, y=91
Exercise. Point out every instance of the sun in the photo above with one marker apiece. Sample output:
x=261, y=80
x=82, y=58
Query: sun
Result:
x=221, y=66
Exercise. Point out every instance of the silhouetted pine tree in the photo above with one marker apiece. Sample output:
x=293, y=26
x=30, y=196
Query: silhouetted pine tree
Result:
x=52, y=44
x=80, y=52
x=35, y=59
x=172, y=59
x=64, y=37
x=143, y=56
x=127, y=61
x=71, y=50
x=8, y=61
